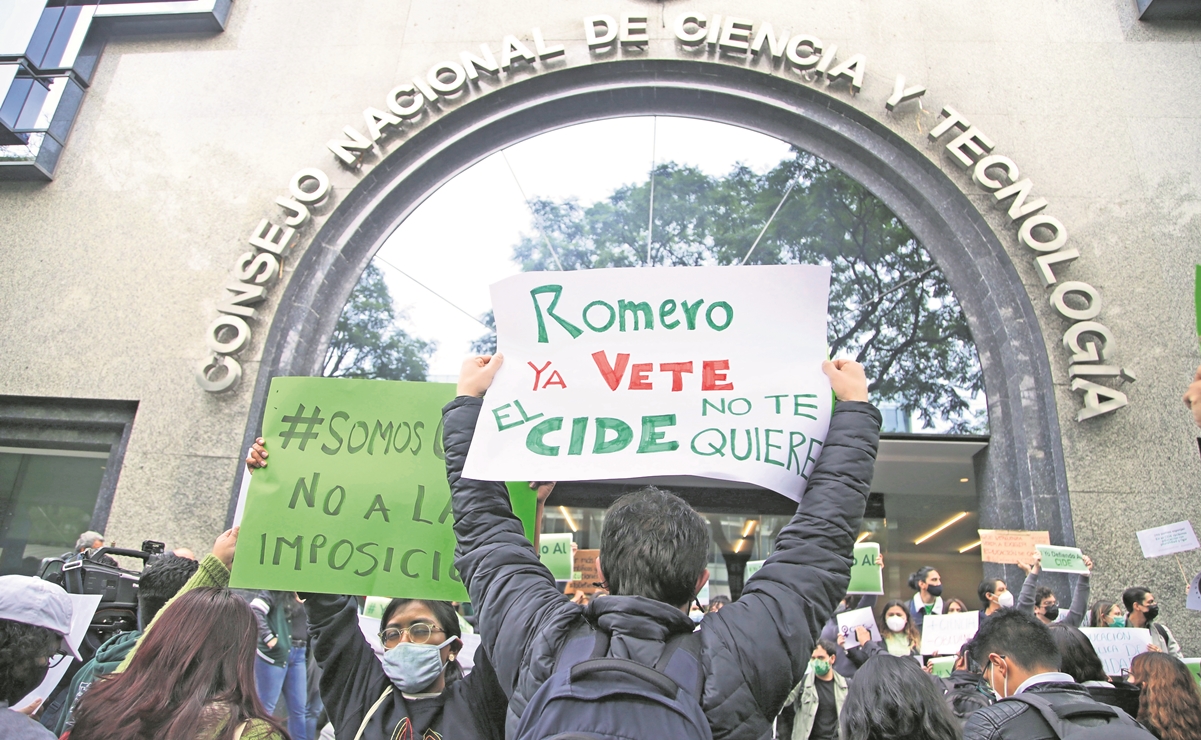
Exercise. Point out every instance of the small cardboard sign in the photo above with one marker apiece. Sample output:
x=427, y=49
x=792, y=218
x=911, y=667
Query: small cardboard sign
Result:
x=866, y=576
x=1117, y=646
x=586, y=574
x=1194, y=667
x=1010, y=546
x=555, y=553
x=849, y=620
x=943, y=665
x=1168, y=539
x=1055, y=559
x=944, y=634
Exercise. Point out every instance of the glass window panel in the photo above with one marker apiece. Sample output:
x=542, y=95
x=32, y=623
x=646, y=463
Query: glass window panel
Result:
x=46, y=501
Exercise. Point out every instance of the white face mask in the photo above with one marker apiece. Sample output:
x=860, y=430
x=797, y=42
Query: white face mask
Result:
x=896, y=623
x=1005, y=600
x=992, y=686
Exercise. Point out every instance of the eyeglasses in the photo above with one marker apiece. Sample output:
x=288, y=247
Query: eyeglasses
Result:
x=55, y=659
x=419, y=633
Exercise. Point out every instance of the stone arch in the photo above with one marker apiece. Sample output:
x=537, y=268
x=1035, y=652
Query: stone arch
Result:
x=1022, y=480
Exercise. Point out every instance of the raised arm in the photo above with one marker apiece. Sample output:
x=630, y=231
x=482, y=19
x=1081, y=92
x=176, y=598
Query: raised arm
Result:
x=771, y=629
x=1075, y=615
x=352, y=678
x=514, y=593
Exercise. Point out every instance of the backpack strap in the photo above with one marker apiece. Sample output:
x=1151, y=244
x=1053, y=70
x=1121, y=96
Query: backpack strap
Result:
x=1163, y=632
x=1060, y=716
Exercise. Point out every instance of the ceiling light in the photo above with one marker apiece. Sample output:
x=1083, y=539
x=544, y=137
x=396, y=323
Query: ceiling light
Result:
x=963, y=480
x=738, y=546
x=570, y=521
x=940, y=528
x=749, y=528
x=972, y=546
x=863, y=536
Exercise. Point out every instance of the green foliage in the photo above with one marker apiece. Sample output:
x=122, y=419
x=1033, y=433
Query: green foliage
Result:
x=367, y=343
x=890, y=306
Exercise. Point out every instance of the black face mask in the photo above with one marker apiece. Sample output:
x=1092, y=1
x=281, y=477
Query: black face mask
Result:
x=1152, y=612
x=19, y=692
x=1051, y=612
x=935, y=591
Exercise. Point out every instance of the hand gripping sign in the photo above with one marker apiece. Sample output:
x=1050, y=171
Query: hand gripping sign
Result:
x=620, y=373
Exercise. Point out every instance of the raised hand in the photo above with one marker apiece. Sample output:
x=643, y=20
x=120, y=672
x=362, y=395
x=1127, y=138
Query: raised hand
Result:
x=847, y=379
x=223, y=548
x=475, y=377
x=258, y=455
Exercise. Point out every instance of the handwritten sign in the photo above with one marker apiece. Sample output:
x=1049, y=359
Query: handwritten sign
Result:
x=866, y=576
x=753, y=566
x=1116, y=647
x=1010, y=546
x=944, y=634
x=1168, y=539
x=849, y=620
x=354, y=499
x=1194, y=594
x=586, y=574
x=556, y=555
x=703, y=371
x=943, y=666
x=1054, y=559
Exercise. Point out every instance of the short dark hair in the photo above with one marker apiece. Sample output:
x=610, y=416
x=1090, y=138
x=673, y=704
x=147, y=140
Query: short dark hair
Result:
x=987, y=586
x=829, y=646
x=1041, y=593
x=161, y=579
x=1017, y=635
x=655, y=545
x=892, y=696
x=919, y=576
x=1077, y=657
x=20, y=647
x=1134, y=595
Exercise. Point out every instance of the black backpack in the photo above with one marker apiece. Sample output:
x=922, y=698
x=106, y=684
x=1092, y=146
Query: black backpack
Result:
x=591, y=695
x=1067, y=720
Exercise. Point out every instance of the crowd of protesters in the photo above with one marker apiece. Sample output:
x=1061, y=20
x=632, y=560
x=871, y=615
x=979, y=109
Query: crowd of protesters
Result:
x=209, y=663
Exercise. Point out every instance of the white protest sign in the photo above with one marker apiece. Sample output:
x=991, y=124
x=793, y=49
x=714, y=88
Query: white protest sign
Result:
x=1168, y=539
x=83, y=606
x=849, y=620
x=621, y=373
x=753, y=566
x=1117, y=646
x=944, y=634
x=1194, y=594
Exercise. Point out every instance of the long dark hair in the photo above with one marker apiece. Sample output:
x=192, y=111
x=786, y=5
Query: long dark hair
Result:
x=892, y=697
x=192, y=672
x=1077, y=656
x=448, y=620
x=1170, y=705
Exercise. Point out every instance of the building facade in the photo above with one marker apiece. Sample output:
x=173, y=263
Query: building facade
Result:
x=189, y=194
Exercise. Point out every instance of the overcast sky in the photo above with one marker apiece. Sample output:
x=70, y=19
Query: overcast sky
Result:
x=459, y=256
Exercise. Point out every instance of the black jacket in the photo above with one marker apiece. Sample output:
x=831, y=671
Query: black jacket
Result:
x=1011, y=720
x=753, y=650
x=352, y=680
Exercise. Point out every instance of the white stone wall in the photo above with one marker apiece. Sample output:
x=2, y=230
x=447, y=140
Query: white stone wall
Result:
x=109, y=275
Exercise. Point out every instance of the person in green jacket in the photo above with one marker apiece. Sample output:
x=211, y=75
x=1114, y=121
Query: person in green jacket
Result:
x=160, y=580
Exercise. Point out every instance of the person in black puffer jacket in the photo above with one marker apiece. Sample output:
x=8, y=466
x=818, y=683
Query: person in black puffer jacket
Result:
x=752, y=652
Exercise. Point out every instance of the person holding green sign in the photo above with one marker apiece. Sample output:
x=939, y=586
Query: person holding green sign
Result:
x=741, y=662
x=1041, y=602
x=417, y=690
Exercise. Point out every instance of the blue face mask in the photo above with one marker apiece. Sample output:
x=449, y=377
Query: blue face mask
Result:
x=412, y=667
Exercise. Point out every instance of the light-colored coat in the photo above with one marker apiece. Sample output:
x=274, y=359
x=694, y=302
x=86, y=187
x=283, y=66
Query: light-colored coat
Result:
x=804, y=695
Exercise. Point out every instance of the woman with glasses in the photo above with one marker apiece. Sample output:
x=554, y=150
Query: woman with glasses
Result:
x=417, y=690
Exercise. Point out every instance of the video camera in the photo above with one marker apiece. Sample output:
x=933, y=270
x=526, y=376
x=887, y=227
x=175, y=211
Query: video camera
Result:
x=95, y=572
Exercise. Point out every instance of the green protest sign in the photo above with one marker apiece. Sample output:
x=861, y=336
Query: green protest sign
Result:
x=753, y=566
x=556, y=555
x=866, y=576
x=1054, y=559
x=1194, y=667
x=354, y=499
x=942, y=666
